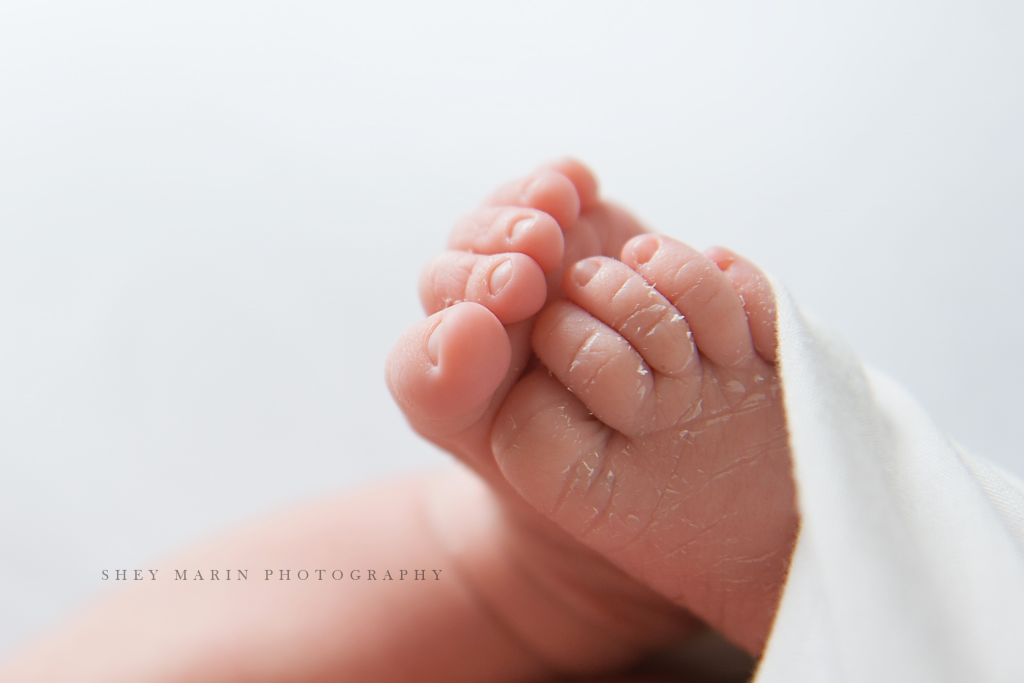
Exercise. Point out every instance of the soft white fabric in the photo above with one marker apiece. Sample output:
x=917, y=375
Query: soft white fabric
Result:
x=910, y=560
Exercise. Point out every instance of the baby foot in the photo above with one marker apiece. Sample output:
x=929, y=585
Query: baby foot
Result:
x=654, y=432
x=450, y=372
x=679, y=476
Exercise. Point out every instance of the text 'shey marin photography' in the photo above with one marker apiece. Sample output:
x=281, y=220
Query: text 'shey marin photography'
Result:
x=272, y=575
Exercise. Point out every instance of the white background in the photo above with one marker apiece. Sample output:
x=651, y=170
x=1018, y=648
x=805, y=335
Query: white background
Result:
x=212, y=215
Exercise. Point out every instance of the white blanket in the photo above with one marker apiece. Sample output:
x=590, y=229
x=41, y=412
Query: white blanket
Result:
x=910, y=560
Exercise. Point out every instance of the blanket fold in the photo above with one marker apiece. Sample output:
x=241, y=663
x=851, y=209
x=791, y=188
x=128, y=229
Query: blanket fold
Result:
x=910, y=560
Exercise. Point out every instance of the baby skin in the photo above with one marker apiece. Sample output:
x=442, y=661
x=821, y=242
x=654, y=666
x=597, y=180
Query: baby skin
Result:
x=617, y=392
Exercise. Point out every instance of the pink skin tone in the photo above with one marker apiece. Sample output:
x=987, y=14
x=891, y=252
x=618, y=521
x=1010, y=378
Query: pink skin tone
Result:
x=315, y=632
x=615, y=394
x=620, y=384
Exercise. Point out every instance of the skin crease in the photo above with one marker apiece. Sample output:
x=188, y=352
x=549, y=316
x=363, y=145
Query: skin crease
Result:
x=697, y=526
x=641, y=411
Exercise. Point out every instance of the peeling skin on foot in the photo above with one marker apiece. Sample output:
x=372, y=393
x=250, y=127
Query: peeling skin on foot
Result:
x=652, y=430
x=641, y=390
x=735, y=387
x=692, y=413
x=673, y=518
x=587, y=345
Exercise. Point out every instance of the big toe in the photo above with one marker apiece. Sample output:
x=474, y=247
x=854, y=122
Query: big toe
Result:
x=700, y=291
x=444, y=370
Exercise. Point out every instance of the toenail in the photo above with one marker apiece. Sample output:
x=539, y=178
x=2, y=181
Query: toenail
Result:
x=531, y=184
x=725, y=263
x=434, y=343
x=645, y=248
x=521, y=226
x=500, y=276
x=585, y=270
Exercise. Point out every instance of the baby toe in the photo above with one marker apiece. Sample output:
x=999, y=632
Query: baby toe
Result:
x=511, y=286
x=501, y=229
x=582, y=179
x=755, y=289
x=443, y=371
x=700, y=291
x=546, y=190
x=597, y=365
x=621, y=299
